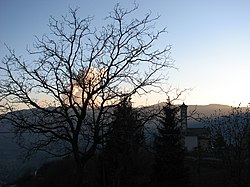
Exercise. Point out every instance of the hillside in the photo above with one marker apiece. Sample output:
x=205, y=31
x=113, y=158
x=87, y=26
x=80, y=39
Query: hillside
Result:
x=209, y=109
x=11, y=161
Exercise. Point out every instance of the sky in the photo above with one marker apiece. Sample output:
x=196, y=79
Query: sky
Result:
x=210, y=40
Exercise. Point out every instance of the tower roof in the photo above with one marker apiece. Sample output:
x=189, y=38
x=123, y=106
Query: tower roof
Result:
x=183, y=105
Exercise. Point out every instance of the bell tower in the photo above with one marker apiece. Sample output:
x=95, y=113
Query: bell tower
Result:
x=183, y=108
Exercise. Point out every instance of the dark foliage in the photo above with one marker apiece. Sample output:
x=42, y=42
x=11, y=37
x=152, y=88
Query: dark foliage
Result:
x=169, y=169
x=229, y=134
x=58, y=173
x=121, y=152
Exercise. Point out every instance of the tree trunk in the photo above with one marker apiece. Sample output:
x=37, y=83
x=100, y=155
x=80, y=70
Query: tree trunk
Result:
x=79, y=176
x=81, y=162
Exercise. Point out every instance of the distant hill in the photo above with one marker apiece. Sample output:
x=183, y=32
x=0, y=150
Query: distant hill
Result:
x=209, y=109
x=195, y=112
x=11, y=162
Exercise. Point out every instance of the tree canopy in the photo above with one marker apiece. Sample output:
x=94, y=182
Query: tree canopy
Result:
x=80, y=73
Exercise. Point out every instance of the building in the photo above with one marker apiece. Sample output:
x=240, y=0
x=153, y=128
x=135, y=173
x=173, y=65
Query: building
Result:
x=193, y=138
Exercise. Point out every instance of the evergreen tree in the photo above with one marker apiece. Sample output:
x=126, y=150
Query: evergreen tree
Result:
x=123, y=144
x=169, y=169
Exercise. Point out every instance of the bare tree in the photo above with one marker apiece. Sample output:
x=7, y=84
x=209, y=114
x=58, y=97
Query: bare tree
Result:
x=80, y=73
x=230, y=141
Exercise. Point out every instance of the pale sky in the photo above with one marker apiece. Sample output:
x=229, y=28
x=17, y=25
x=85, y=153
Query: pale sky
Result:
x=210, y=40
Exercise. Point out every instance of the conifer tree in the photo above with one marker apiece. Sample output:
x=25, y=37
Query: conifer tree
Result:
x=169, y=169
x=123, y=144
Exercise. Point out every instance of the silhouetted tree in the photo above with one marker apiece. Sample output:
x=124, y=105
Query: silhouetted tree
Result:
x=229, y=136
x=79, y=72
x=122, y=145
x=169, y=152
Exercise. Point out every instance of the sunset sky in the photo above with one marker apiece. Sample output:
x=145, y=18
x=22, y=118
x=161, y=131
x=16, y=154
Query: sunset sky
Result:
x=210, y=40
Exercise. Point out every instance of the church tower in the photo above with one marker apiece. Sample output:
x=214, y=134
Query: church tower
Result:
x=183, y=108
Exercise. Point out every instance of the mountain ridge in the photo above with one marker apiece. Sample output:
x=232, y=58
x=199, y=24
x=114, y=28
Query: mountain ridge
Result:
x=10, y=151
